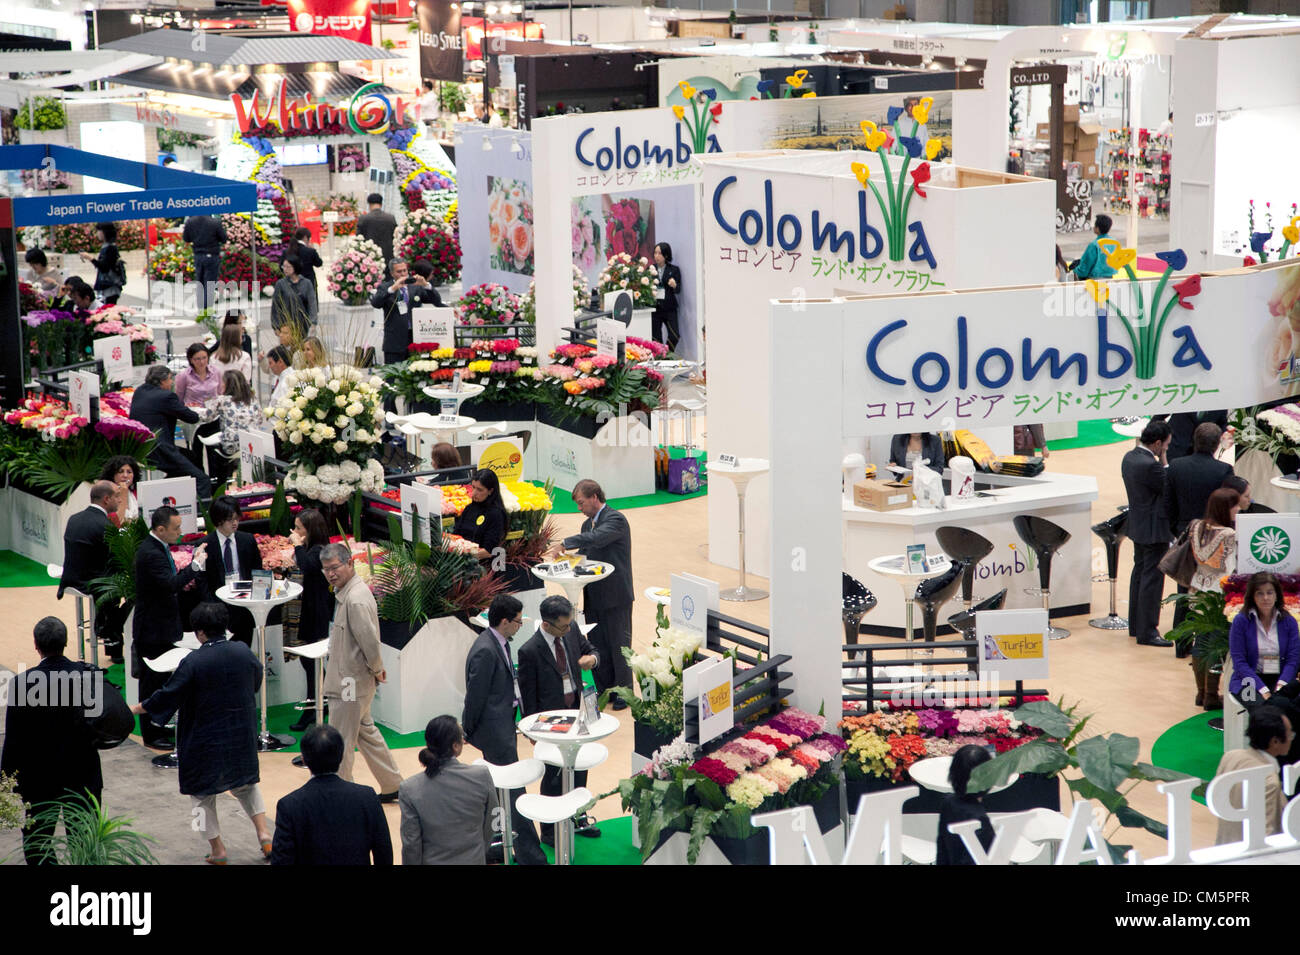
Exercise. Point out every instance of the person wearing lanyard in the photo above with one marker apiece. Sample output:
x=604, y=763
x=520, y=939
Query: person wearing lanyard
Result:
x=238, y=558
x=491, y=699
x=484, y=519
x=1264, y=643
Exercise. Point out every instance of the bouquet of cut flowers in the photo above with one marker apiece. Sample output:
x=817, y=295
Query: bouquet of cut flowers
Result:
x=637, y=276
x=487, y=304
x=356, y=271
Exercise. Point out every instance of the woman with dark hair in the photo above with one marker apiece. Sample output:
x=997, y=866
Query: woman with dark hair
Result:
x=1245, y=504
x=1264, y=643
x=110, y=270
x=1213, y=540
x=236, y=410
x=663, y=323
x=906, y=449
x=311, y=533
x=448, y=810
x=961, y=806
x=484, y=519
x=200, y=382
x=124, y=471
x=237, y=317
x=230, y=354
x=294, y=301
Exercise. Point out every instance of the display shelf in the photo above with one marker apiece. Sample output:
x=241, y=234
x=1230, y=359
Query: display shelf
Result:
x=1152, y=176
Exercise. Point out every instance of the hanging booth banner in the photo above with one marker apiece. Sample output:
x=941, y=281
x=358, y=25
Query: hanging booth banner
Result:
x=441, y=50
x=346, y=18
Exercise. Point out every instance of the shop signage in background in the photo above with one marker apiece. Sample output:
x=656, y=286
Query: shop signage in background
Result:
x=503, y=456
x=1268, y=542
x=692, y=597
x=706, y=689
x=419, y=502
x=179, y=493
x=346, y=18
x=115, y=352
x=434, y=325
x=83, y=393
x=1012, y=644
x=254, y=448
x=370, y=110
x=442, y=55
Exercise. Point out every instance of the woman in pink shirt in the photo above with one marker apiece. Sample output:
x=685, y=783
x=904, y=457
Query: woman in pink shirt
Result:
x=197, y=383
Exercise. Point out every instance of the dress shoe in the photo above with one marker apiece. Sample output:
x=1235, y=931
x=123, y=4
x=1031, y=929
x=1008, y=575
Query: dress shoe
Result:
x=165, y=745
x=308, y=718
x=586, y=826
x=297, y=761
x=1215, y=724
x=388, y=797
x=1154, y=642
x=618, y=704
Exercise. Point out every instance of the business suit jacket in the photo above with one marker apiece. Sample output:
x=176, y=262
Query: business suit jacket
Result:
x=1189, y=483
x=378, y=226
x=541, y=682
x=931, y=449
x=611, y=541
x=249, y=557
x=489, y=714
x=397, y=313
x=49, y=748
x=159, y=409
x=317, y=599
x=447, y=820
x=1230, y=831
x=354, y=641
x=330, y=821
x=1144, y=480
x=1183, y=425
x=157, y=623
x=669, y=302
x=85, y=549
x=1243, y=646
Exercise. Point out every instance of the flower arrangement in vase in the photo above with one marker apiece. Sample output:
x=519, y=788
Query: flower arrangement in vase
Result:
x=356, y=271
x=488, y=304
x=624, y=273
x=439, y=247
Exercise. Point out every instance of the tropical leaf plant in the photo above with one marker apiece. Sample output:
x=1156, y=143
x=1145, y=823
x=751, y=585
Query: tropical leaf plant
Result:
x=60, y=467
x=118, y=582
x=1205, y=625
x=92, y=837
x=417, y=582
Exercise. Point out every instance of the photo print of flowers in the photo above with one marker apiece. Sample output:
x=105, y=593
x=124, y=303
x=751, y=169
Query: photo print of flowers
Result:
x=629, y=226
x=586, y=237
x=510, y=225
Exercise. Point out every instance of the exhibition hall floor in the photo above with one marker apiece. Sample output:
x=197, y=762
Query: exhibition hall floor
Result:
x=1138, y=691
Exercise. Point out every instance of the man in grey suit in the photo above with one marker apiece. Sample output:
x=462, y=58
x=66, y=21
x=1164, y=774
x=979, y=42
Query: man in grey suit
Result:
x=605, y=536
x=1143, y=469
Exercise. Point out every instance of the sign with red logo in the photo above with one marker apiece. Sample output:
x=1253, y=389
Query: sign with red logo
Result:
x=345, y=18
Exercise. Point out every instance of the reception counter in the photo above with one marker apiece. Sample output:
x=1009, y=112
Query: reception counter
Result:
x=1064, y=499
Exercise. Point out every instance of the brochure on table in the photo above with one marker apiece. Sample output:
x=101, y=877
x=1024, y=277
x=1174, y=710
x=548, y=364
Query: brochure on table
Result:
x=1268, y=542
x=1012, y=644
x=179, y=493
x=691, y=600
x=707, y=684
x=504, y=456
x=83, y=393
x=430, y=324
x=419, y=502
x=254, y=448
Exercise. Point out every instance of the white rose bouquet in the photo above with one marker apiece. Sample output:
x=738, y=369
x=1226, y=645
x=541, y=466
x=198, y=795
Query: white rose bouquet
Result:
x=637, y=276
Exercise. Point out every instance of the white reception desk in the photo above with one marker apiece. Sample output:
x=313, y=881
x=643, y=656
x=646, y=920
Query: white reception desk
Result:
x=1064, y=499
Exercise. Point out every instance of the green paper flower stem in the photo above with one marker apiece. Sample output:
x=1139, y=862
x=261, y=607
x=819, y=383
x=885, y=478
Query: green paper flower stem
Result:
x=889, y=223
x=892, y=216
x=1155, y=351
x=1132, y=340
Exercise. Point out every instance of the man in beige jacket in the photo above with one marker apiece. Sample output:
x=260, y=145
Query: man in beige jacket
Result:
x=355, y=665
x=1270, y=736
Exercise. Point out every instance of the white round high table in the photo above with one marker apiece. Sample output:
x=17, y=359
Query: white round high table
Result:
x=894, y=566
x=568, y=744
x=1130, y=429
x=1285, y=484
x=745, y=470
x=572, y=583
x=466, y=392
x=422, y=423
x=167, y=662
x=932, y=774
x=283, y=592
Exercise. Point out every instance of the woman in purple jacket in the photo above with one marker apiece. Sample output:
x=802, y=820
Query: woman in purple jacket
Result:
x=1264, y=643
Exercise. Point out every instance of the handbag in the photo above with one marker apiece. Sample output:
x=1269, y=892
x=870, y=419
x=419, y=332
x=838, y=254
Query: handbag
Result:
x=1179, y=562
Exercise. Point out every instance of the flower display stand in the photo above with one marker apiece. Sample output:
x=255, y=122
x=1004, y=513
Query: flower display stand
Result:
x=619, y=453
x=33, y=526
x=426, y=676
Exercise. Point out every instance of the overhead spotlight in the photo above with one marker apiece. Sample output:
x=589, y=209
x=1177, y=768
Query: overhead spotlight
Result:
x=516, y=146
x=487, y=145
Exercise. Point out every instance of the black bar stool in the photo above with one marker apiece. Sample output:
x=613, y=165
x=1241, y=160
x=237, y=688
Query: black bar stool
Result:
x=959, y=543
x=858, y=602
x=933, y=593
x=1044, y=539
x=1111, y=533
x=964, y=620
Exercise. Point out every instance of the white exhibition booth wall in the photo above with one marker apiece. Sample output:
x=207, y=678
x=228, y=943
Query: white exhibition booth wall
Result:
x=593, y=162
x=994, y=357
x=816, y=234
x=495, y=206
x=734, y=77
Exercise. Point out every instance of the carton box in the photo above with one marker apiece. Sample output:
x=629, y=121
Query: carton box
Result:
x=1043, y=131
x=1086, y=142
x=882, y=495
x=1072, y=113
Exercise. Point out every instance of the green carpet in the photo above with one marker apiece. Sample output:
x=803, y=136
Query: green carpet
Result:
x=614, y=847
x=19, y=571
x=1092, y=434
x=1191, y=747
x=563, y=501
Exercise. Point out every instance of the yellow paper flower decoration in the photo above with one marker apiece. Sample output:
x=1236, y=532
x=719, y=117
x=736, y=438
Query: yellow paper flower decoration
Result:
x=1121, y=257
x=932, y=148
x=796, y=79
x=687, y=89
x=921, y=111
x=679, y=112
x=1108, y=245
x=872, y=134
x=862, y=172
x=1291, y=233
x=810, y=95
x=1099, y=291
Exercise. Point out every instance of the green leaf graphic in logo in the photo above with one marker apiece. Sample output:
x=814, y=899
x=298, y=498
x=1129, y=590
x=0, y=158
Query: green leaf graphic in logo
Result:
x=1270, y=545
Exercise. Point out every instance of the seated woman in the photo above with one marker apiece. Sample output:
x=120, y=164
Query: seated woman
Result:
x=1245, y=503
x=961, y=806
x=906, y=449
x=230, y=354
x=123, y=471
x=237, y=411
x=445, y=456
x=449, y=809
x=1264, y=643
x=311, y=355
x=484, y=519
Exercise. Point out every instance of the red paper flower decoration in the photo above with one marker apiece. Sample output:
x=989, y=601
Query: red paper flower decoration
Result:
x=716, y=110
x=920, y=176
x=1186, y=289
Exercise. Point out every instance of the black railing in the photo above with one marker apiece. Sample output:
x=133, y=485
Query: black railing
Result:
x=872, y=688
x=467, y=334
x=763, y=682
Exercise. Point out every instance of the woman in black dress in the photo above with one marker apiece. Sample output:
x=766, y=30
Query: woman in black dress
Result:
x=663, y=323
x=110, y=274
x=484, y=520
x=961, y=806
x=310, y=534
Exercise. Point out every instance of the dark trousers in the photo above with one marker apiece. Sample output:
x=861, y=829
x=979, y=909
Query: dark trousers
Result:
x=168, y=459
x=663, y=328
x=242, y=625
x=613, y=632
x=150, y=682
x=36, y=835
x=207, y=268
x=528, y=849
x=1145, y=591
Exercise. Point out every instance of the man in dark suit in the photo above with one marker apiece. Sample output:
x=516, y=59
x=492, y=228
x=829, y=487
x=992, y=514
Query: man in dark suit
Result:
x=1182, y=427
x=377, y=225
x=550, y=678
x=48, y=745
x=233, y=553
x=157, y=624
x=85, y=548
x=492, y=694
x=605, y=536
x=329, y=821
x=156, y=406
x=396, y=298
x=1189, y=482
x=1143, y=469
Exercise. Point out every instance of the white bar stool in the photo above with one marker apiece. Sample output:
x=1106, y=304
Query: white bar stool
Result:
x=315, y=651
x=167, y=662
x=505, y=778
x=590, y=755
x=85, y=605
x=688, y=407
x=553, y=810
